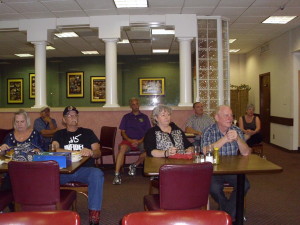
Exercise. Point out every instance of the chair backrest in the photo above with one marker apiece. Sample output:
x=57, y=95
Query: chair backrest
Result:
x=3, y=133
x=107, y=137
x=37, y=218
x=184, y=186
x=187, y=217
x=35, y=185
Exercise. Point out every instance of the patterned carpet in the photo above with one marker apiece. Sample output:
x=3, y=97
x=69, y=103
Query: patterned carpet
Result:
x=272, y=199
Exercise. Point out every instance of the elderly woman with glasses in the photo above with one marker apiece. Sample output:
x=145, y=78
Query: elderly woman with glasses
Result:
x=250, y=125
x=21, y=143
x=22, y=135
x=165, y=138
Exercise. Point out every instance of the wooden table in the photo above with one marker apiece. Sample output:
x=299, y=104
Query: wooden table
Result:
x=239, y=165
x=70, y=169
x=190, y=135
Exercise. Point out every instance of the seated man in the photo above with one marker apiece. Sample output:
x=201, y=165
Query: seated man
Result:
x=133, y=128
x=229, y=139
x=46, y=126
x=75, y=138
x=197, y=123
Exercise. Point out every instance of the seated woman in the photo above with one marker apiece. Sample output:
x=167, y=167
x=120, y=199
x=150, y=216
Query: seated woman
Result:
x=22, y=137
x=250, y=125
x=165, y=138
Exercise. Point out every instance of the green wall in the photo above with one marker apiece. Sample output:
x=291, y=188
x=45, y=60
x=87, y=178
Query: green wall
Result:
x=130, y=69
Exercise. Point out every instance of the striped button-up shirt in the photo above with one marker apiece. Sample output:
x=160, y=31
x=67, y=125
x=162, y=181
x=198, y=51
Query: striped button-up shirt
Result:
x=212, y=134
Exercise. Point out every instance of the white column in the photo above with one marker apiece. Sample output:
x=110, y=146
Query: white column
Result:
x=111, y=72
x=40, y=74
x=185, y=72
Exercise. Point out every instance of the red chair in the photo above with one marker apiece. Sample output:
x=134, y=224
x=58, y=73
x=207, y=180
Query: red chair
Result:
x=6, y=198
x=181, y=187
x=107, y=142
x=35, y=187
x=38, y=218
x=186, y=217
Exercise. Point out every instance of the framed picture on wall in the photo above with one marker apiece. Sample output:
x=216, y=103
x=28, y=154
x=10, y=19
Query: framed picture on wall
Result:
x=151, y=86
x=31, y=85
x=75, y=85
x=15, y=91
x=98, y=89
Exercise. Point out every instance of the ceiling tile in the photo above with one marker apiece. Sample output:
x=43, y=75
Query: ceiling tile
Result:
x=228, y=11
x=202, y=3
x=206, y=11
x=65, y=5
x=23, y=7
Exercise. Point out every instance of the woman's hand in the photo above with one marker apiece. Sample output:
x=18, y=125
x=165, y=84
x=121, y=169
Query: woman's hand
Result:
x=172, y=151
x=189, y=150
x=4, y=147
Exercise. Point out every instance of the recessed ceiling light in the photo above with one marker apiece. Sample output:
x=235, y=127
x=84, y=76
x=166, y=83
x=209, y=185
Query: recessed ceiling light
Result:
x=160, y=50
x=232, y=40
x=124, y=41
x=162, y=31
x=234, y=50
x=279, y=19
x=66, y=34
x=131, y=3
x=24, y=55
x=90, y=52
x=49, y=47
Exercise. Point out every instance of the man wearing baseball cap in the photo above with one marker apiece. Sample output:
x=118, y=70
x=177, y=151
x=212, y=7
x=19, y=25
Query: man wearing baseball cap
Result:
x=46, y=126
x=75, y=138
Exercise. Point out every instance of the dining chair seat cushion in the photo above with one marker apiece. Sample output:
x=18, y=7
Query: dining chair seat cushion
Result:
x=38, y=218
x=133, y=153
x=6, y=197
x=186, y=217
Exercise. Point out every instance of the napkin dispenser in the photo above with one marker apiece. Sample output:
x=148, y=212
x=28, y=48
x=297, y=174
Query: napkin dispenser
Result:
x=62, y=158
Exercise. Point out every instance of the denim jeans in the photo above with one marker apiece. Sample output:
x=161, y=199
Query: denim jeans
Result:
x=216, y=191
x=94, y=178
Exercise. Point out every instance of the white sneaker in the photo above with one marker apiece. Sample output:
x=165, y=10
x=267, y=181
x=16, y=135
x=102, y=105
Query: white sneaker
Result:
x=117, y=179
x=132, y=170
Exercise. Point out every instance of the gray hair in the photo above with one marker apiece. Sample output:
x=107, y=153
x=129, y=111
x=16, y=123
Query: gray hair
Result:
x=218, y=108
x=22, y=112
x=133, y=99
x=250, y=106
x=157, y=110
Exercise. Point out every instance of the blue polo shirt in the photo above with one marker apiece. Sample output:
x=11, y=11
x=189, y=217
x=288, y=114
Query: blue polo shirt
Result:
x=135, y=126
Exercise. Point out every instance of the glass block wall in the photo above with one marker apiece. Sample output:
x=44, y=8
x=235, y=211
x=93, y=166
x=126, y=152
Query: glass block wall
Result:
x=212, y=61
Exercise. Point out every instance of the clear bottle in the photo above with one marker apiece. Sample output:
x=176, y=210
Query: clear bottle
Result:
x=209, y=155
x=216, y=156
